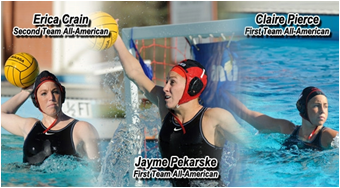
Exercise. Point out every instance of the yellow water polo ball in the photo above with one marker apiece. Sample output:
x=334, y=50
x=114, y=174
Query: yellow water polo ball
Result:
x=21, y=69
x=102, y=20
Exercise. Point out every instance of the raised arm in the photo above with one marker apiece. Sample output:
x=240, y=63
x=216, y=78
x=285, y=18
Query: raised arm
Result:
x=135, y=73
x=261, y=122
x=10, y=121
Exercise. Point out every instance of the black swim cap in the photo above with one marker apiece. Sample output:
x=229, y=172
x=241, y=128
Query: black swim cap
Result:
x=41, y=78
x=307, y=94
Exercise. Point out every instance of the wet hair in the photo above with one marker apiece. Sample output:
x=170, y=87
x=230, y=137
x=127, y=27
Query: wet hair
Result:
x=196, y=79
x=43, y=77
x=307, y=94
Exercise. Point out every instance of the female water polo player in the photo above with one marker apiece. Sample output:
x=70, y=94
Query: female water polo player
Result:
x=311, y=134
x=56, y=132
x=188, y=128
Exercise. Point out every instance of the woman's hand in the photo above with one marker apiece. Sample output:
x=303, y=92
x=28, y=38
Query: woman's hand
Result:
x=29, y=89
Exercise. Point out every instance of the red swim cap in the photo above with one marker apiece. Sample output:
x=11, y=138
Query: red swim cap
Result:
x=196, y=79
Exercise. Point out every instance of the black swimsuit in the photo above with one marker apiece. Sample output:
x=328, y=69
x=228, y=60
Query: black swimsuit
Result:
x=38, y=146
x=293, y=141
x=172, y=142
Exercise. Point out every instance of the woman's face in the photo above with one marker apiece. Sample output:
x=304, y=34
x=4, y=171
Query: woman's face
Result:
x=49, y=98
x=317, y=109
x=173, y=89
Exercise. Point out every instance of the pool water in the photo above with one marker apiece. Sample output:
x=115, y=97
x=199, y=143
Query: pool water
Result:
x=272, y=73
x=60, y=171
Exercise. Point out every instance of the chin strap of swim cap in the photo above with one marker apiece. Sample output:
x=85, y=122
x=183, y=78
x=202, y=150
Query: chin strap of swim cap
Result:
x=179, y=122
x=52, y=125
x=311, y=134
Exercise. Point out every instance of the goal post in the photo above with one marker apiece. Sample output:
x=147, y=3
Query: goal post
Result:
x=205, y=29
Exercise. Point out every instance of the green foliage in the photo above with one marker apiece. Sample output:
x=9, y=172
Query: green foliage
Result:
x=114, y=111
x=138, y=13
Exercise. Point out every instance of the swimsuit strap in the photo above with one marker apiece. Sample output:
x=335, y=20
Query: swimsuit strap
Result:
x=296, y=131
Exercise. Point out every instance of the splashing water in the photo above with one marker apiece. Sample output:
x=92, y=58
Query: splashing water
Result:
x=124, y=146
x=228, y=163
x=56, y=170
x=57, y=164
x=335, y=142
x=129, y=142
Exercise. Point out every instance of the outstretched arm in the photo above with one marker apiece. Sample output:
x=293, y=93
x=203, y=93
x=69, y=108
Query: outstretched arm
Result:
x=135, y=73
x=227, y=128
x=260, y=121
x=132, y=67
x=9, y=120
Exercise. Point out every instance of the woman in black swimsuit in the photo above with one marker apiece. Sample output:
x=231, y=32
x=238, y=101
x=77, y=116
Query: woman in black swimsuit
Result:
x=313, y=108
x=56, y=132
x=188, y=129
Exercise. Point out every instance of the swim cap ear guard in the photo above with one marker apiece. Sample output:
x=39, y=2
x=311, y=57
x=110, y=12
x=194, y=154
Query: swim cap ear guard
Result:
x=42, y=78
x=196, y=79
x=301, y=106
x=307, y=94
x=195, y=86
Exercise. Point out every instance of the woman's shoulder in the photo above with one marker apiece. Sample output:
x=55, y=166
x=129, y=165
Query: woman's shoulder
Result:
x=328, y=136
x=82, y=123
x=83, y=126
x=29, y=124
x=84, y=130
x=217, y=113
x=329, y=132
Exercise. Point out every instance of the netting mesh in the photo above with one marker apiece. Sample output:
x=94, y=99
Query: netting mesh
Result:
x=164, y=54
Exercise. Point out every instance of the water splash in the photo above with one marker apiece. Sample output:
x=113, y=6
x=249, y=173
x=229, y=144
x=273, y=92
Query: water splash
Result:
x=335, y=142
x=56, y=170
x=129, y=142
x=228, y=163
x=123, y=148
x=61, y=164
